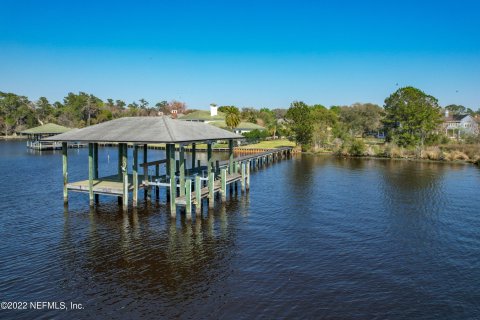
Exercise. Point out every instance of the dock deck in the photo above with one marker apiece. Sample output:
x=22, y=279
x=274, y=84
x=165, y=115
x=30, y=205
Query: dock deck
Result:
x=110, y=185
x=217, y=186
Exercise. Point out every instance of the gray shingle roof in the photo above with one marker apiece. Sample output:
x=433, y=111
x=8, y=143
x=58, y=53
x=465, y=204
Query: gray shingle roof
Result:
x=146, y=130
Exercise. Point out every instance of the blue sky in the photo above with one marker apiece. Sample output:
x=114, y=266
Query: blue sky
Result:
x=243, y=53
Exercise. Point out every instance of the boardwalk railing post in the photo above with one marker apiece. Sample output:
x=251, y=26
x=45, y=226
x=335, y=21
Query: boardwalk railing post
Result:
x=65, y=171
x=90, y=172
x=145, y=172
x=125, y=176
x=135, y=175
x=217, y=168
x=198, y=195
x=224, y=183
x=173, y=182
x=243, y=176
x=211, y=190
x=188, y=198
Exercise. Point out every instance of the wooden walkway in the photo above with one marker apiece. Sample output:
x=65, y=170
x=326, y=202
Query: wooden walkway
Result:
x=110, y=185
x=204, y=192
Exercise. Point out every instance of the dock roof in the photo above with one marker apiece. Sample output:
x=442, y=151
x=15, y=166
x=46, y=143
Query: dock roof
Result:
x=49, y=128
x=146, y=130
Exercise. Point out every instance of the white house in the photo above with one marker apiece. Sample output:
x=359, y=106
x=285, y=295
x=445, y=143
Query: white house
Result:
x=459, y=125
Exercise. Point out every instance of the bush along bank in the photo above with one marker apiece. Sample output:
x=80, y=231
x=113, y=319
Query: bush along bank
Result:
x=450, y=152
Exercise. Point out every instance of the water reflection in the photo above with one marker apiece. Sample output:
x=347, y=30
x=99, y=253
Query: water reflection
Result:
x=145, y=249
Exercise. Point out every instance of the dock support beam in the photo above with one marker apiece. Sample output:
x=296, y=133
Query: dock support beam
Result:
x=181, y=170
x=194, y=155
x=198, y=195
x=157, y=175
x=247, y=181
x=242, y=183
x=173, y=182
x=90, y=173
x=223, y=180
x=135, y=175
x=120, y=151
x=145, y=172
x=230, y=156
x=95, y=167
x=188, y=199
x=209, y=158
x=211, y=191
x=125, y=175
x=65, y=171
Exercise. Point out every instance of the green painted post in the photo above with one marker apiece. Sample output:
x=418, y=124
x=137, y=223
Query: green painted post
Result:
x=181, y=170
x=65, y=171
x=188, y=198
x=125, y=175
x=194, y=155
x=173, y=183
x=167, y=156
x=235, y=170
x=120, y=151
x=223, y=177
x=198, y=195
x=209, y=158
x=145, y=172
x=157, y=188
x=95, y=167
x=135, y=175
x=230, y=156
x=243, y=177
x=247, y=180
x=90, y=172
x=211, y=191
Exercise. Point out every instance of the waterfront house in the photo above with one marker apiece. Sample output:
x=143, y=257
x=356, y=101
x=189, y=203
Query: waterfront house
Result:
x=459, y=125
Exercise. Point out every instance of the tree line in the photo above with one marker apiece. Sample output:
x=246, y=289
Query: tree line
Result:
x=76, y=110
x=408, y=118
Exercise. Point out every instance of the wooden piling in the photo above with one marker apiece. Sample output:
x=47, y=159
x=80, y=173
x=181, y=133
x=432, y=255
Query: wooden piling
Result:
x=209, y=158
x=247, y=180
x=173, y=182
x=135, y=176
x=145, y=172
x=95, y=167
x=125, y=175
x=90, y=173
x=65, y=171
x=188, y=198
x=157, y=175
x=211, y=191
x=198, y=195
x=230, y=156
x=243, y=177
x=223, y=177
x=120, y=151
x=194, y=155
x=181, y=170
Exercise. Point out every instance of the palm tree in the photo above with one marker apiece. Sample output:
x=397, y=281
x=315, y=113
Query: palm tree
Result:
x=232, y=117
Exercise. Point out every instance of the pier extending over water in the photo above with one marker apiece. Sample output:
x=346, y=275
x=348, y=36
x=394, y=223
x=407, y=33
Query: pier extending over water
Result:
x=187, y=185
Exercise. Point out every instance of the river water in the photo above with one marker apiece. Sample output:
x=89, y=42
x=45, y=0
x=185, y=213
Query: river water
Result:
x=316, y=237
